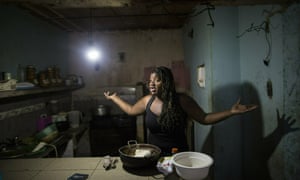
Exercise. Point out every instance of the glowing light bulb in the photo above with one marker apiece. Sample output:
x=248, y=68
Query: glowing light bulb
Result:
x=93, y=54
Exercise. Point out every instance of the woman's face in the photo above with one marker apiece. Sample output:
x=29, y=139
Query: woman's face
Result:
x=154, y=83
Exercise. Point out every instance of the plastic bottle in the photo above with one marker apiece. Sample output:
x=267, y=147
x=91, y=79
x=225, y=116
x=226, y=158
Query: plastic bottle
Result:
x=174, y=150
x=20, y=73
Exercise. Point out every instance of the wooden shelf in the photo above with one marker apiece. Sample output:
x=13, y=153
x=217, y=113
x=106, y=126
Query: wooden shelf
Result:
x=36, y=90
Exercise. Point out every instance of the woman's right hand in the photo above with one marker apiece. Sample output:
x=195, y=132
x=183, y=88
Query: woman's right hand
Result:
x=109, y=95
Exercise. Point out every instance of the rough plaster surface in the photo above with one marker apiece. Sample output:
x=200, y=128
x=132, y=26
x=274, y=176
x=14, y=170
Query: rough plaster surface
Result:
x=270, y=147
x=141, y=48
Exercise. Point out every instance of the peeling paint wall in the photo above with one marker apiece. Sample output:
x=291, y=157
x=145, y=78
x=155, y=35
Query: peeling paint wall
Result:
x=290, y=144
x=270, y=141
x=267, y=66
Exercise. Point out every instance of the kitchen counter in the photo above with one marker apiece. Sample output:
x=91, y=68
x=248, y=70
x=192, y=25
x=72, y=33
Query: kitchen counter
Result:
x=54, y=148
x=73, y=134
x=62, y=168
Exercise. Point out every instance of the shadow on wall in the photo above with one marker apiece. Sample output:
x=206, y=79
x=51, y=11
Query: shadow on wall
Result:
x=256, y=149
x=224, y=139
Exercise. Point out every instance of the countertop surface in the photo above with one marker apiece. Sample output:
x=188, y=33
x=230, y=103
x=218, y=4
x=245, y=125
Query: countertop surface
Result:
x=63, y=168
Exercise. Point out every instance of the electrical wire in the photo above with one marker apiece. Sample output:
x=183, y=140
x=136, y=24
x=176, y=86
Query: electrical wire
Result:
x=268, y=36
x=257, y=28
x=208, y=8
x=54, y=147
x=264, y=26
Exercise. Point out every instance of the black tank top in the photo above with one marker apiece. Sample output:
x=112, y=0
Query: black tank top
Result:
x=164, y=140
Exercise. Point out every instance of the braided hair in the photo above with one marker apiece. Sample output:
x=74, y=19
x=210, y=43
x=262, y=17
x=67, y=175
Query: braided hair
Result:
x=172, y=114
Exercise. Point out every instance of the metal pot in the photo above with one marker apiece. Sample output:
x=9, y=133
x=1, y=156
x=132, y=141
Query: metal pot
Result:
x=102, y=110
x=136, y=155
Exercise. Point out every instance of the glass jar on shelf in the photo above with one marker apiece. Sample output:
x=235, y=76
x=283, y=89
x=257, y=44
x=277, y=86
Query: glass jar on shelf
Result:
x=31, y=74
x=50, y=75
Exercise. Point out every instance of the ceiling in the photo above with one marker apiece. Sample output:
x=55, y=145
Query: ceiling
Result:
x=108, y=15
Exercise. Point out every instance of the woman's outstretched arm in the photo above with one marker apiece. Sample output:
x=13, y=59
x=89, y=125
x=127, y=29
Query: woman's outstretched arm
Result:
x=196, y=112
x=135, y=109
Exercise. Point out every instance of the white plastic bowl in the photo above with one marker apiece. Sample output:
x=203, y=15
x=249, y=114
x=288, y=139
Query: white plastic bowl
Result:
x=192, y=165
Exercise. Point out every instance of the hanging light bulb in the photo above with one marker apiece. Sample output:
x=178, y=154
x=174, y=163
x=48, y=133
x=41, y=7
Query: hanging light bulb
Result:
x=93, y=54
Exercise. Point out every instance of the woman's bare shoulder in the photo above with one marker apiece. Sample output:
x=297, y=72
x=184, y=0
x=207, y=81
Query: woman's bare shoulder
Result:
x=146, y=98
x=187, y=101
x=184, y=97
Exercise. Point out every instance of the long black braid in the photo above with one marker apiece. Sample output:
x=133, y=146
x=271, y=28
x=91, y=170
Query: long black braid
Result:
x=172, y=114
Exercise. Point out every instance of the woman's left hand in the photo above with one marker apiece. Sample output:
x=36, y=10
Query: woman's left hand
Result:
x=108, y=95
x=238, y=108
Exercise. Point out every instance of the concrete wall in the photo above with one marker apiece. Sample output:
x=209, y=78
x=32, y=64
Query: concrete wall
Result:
x=197, y=51
x=261, y=144
x=142, y=49
x=210, y=46
x=27, y=40
x=289, y=146
x=269, y=141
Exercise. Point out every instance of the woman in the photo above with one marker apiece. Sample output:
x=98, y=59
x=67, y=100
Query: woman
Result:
x=167, y=111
